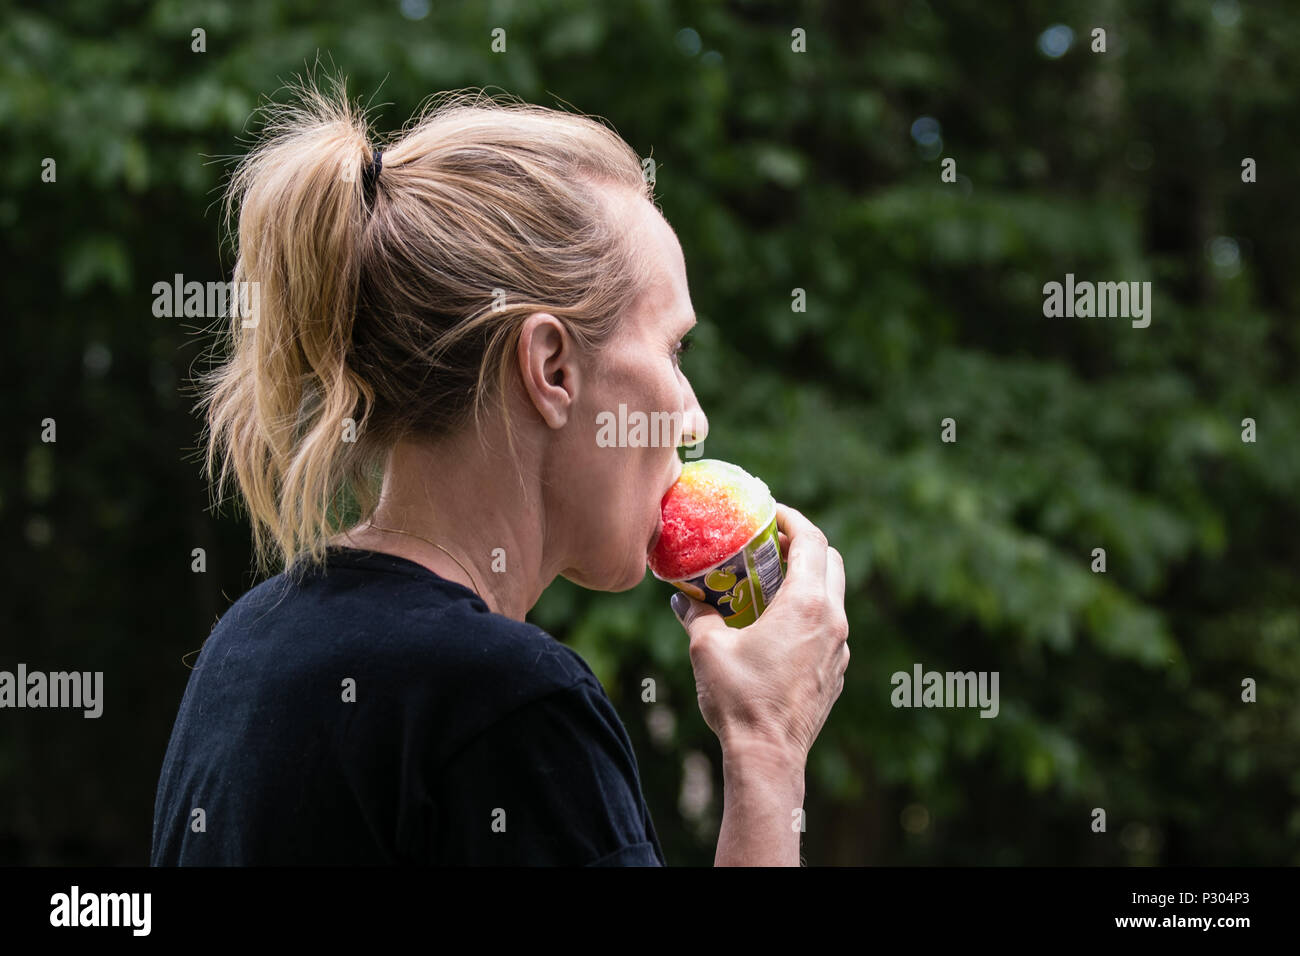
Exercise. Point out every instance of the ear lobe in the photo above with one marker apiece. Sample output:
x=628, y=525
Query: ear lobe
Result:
x=548, y=367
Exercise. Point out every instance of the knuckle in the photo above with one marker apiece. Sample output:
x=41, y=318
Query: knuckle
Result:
x=817, y=608
x=827, y=611
x=841, y=630
x=806, y=602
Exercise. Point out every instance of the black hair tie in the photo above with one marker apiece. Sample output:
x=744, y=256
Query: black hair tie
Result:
x=371, y=176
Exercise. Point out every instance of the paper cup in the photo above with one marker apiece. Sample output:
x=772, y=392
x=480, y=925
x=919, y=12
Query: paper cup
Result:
x=743, y=585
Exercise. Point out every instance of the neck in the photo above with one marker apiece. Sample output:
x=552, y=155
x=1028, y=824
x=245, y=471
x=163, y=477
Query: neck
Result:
x=472, y=504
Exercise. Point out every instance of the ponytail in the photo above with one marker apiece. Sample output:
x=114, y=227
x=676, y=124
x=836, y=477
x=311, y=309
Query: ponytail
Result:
x=285, y=413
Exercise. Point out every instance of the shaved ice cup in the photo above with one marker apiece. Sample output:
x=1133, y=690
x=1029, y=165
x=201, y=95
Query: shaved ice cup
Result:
x=742, y=585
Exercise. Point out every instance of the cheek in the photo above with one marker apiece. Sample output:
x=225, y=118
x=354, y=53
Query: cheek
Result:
x=605, y=494
x=617, y=489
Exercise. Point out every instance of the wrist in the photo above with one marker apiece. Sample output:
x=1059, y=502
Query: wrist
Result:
x=767, y=755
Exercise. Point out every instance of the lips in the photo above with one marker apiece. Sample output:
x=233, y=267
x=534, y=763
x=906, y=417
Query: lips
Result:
x=654, y=540
x=659, y=516
x=658, y=527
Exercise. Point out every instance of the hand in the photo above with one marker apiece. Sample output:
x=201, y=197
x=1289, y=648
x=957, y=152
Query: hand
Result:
x=772, y=684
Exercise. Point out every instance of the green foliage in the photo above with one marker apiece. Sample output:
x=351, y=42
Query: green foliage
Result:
x=924, y=302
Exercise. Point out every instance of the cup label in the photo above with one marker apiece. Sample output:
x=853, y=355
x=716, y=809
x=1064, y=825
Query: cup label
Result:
x=742, y=586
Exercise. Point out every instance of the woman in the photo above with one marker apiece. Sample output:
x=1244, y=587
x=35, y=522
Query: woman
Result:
x=409, y=413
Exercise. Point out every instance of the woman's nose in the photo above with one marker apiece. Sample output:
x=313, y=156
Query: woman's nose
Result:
x=695, y=424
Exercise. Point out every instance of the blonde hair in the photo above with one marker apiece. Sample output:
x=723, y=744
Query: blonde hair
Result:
x=401, y=312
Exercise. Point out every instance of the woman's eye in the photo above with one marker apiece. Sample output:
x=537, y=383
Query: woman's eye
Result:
x=684, y=346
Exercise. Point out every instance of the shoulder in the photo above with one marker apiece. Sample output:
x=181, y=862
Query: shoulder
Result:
x=414, y=647
x=474, y=669
x=395, y=616
x=506, y=661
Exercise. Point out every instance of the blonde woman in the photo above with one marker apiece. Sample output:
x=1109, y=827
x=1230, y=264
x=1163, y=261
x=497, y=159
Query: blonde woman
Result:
x=438, y=325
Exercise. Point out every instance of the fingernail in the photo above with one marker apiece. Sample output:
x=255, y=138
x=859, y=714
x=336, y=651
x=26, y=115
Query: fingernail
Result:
x=681, y=605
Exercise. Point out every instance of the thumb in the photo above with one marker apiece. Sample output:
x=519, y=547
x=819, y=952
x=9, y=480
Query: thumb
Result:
x=697, y=617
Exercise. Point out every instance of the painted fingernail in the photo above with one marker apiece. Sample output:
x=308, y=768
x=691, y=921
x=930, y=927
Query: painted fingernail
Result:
x=681, y=606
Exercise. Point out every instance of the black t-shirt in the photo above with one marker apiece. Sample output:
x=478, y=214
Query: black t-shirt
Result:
x=372, y=712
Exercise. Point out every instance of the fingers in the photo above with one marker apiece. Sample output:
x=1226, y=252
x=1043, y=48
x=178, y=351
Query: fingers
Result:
x=807, y=544
x=835, y=577
x=697, y=617
x=784, y=540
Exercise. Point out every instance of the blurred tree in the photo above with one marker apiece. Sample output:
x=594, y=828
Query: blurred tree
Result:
x=780, y=170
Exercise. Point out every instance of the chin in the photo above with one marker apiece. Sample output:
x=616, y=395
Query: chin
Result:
x=633, y=573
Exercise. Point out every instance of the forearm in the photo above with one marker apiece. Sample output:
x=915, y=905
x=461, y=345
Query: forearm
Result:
x=762, y=790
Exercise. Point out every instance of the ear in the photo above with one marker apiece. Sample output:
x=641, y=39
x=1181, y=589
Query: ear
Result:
x=548, y=367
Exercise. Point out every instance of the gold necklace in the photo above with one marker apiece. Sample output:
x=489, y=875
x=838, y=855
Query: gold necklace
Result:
x=478, y=592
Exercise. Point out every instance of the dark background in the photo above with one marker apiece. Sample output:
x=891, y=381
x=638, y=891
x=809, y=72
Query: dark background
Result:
x=779, y=170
